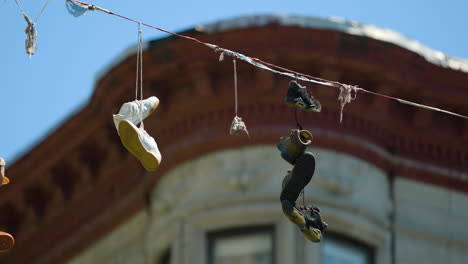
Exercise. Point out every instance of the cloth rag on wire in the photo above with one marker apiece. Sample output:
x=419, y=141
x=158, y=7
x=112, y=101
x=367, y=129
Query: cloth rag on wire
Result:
x=238, y=127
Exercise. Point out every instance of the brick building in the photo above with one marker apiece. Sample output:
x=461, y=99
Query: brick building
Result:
x=391, y=179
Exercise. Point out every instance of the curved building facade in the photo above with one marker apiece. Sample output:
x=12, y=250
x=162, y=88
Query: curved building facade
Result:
x=391, y=180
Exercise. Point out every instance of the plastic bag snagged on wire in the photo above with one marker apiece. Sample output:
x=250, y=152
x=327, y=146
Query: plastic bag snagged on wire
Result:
x=238, y=127
x=75, y=8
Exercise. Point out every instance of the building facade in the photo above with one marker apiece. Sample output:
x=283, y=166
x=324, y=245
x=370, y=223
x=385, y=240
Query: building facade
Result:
x=391, y=180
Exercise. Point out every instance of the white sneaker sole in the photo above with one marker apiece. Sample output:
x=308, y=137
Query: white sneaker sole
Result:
x=129, y=137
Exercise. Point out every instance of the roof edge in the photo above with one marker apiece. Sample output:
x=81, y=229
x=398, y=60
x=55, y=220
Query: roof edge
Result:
x=342, y=25
x=331, y=23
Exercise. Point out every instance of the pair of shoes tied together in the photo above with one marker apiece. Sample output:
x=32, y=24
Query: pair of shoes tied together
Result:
x=135, y=139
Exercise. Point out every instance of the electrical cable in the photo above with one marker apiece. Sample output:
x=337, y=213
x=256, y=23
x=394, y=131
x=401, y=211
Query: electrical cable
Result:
x=278, y=69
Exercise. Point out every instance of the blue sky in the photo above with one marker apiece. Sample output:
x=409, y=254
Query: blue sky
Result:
x=38, y=94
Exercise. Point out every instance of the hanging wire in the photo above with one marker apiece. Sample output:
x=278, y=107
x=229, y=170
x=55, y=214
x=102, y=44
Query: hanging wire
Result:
x=238, y=126
x=297, y=122
x=235, y=84
x=140, y=43
x=303, y=196
x=21, y=9
x=38, y=15
x=139, y=66
x=295, y=112
x=139, y=74
x=346, y=97
x=30, y=44
x=268, y=66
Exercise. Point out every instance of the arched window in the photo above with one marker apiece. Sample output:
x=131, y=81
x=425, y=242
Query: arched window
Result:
x=337, y=249
x=253, y=245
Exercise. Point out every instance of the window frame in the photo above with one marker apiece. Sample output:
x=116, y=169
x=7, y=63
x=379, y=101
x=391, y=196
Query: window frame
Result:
x=239, y=231
x=370, y=250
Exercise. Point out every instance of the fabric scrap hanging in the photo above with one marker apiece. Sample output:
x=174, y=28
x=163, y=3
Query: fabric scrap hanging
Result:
x=345, y=96
x=31, y=33
x=238, y=126
x=77, y=8
x=30, y=44
x=221, y=56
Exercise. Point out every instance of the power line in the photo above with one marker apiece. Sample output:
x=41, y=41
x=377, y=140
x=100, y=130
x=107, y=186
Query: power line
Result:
x=345, y=89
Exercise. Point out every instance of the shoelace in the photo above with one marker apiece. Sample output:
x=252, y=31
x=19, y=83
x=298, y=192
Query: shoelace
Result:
x=310, y=208
x=309, y=211
x=136, y=109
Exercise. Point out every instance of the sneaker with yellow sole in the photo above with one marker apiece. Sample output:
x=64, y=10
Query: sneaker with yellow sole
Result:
x=307, y=219
x=140, y=144
x=298, y=97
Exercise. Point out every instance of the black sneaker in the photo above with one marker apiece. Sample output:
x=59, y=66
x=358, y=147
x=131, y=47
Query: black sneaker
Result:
x=296, y=179
x=297, y=97
x=307, y=219
x=312, y=214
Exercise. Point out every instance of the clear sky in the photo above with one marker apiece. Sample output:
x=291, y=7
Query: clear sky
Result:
x=38, y=94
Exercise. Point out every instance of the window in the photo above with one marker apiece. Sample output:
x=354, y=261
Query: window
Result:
x=341, y=250
x=241, y=246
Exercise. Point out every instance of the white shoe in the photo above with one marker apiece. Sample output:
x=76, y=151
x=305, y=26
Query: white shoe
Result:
x=136, y=111
x=140, y=144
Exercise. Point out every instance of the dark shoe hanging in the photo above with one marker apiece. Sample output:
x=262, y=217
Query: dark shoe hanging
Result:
x=297, y=96
x=298, y=177
x=307, y=219
x=294, y=145
x=312, y=214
